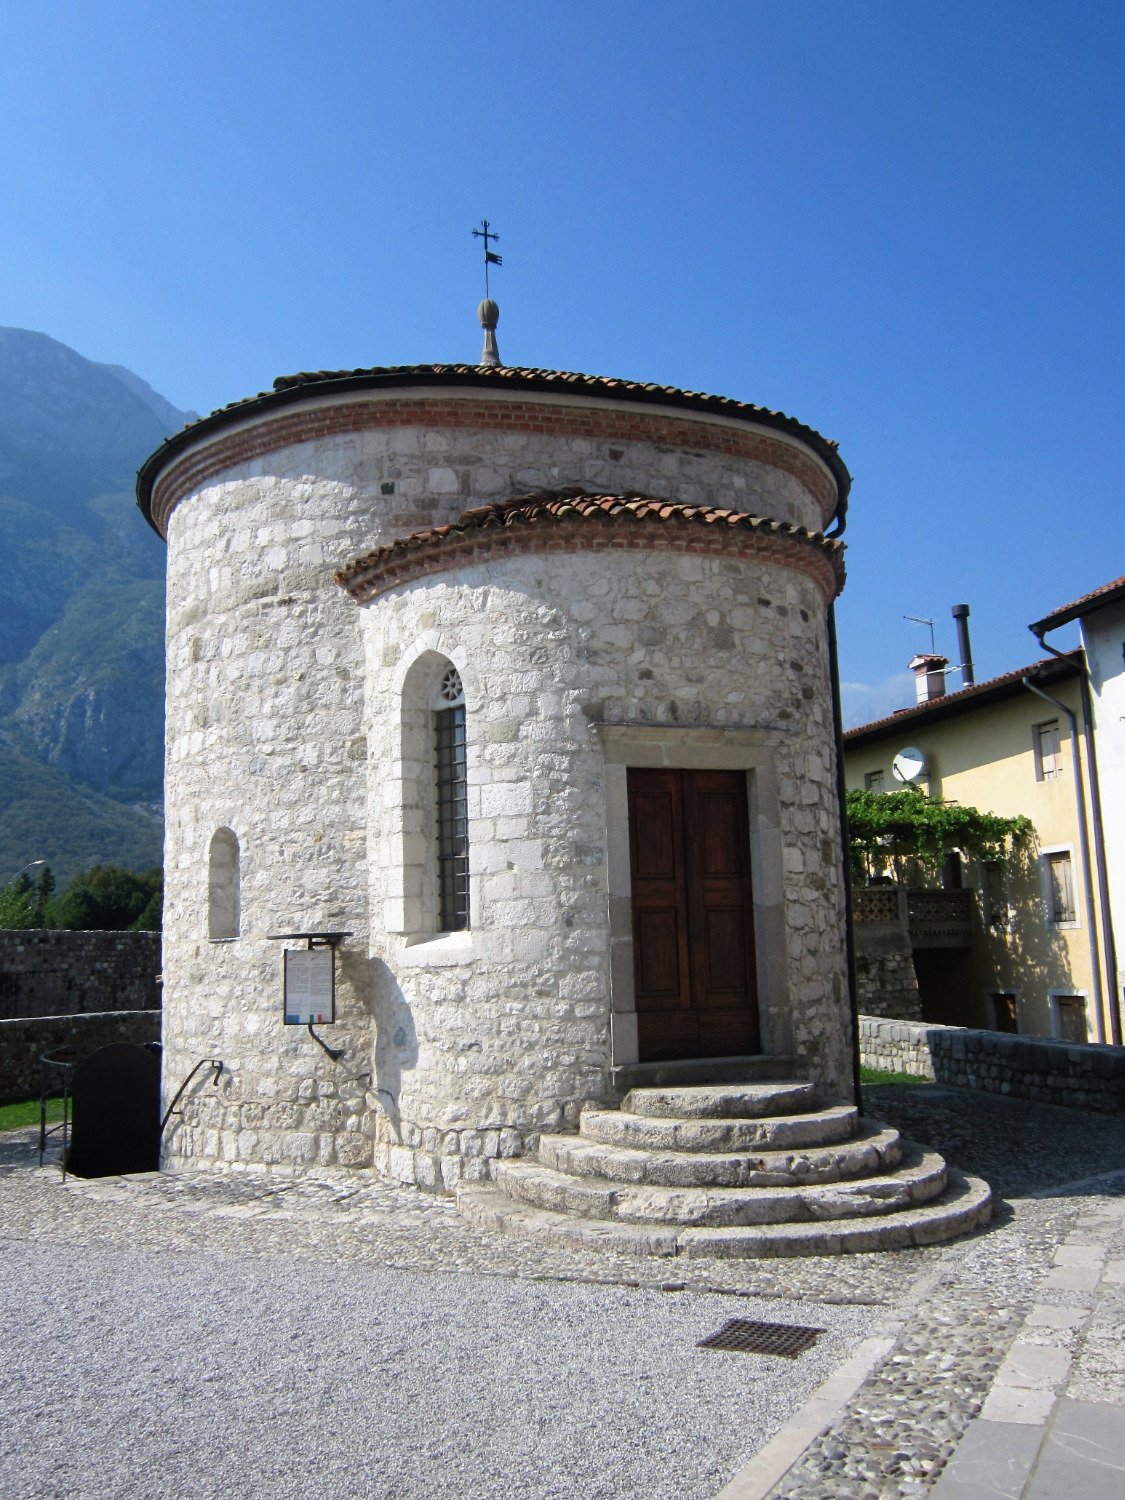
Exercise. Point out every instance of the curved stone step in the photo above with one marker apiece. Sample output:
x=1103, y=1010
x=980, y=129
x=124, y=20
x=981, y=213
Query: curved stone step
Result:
x=722, y=1101
x=616, y=1127
x=921, y=1177
x=964, y=1206
x=877, y=1148
x=678, y=1071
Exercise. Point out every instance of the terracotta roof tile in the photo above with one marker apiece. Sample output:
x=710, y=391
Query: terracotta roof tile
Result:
x=1109, y=593
x=1048, y=670
x=311, y=383
x=574, y=503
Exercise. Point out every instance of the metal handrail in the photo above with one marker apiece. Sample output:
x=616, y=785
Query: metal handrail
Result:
x=67, y=1069
x=204, y=1062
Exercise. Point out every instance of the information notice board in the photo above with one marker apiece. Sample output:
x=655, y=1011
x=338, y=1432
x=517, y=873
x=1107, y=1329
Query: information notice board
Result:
x=310, y=986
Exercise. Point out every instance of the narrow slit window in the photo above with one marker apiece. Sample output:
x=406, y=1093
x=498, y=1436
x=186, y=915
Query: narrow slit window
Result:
x=224, y=900
x=451, y=784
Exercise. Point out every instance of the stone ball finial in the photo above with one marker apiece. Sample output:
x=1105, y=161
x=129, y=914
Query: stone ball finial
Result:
x=489, y=315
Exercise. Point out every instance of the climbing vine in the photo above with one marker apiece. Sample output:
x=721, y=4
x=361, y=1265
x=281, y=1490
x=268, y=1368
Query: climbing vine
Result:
x=908, y=834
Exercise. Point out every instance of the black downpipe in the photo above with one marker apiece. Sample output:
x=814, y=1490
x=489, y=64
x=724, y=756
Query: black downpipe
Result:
x=841, y=791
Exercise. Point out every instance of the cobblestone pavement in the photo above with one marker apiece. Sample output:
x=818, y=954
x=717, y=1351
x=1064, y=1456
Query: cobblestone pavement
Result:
x=956, y=1308
x=901, y=1427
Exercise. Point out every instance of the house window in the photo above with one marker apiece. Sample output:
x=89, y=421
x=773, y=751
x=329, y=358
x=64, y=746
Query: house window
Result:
x=873, y=781
x=993, y=896
x=1005, y=1014
x=1045, y=743
x=952, y=871
x=223, y=895
x=1059, y=871
x=1068, y=1018
x=452, y=821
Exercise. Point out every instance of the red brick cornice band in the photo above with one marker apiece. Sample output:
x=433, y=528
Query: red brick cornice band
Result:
x=525, y=415
x=574, y=520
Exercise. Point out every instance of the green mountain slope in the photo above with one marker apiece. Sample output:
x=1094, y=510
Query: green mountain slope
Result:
x=45, y=814
x=81, y=608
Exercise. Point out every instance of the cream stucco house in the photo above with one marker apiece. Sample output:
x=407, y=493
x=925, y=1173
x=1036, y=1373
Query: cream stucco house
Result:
x=1028, y=944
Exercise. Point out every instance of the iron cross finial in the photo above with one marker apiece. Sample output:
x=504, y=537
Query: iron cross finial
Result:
x=490, y=257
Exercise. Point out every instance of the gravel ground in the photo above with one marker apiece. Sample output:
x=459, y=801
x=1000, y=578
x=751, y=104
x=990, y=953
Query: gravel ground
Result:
x=202, y=1335
x=188, y=1374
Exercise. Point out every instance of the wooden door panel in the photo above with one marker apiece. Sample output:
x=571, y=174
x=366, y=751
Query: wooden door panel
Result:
x=727, y=1033
x=724, y=944
x=656, y=836
x=720, y=848
x=658, y=939
x=693, y=933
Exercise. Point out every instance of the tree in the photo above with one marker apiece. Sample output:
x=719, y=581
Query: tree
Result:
x=909, y=831
x=23, y=905
x=109, y=899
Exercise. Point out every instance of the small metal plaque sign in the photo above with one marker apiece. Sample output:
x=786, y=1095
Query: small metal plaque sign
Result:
x=310, y=986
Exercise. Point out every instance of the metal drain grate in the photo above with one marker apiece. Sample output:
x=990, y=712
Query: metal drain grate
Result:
x=742, y=1336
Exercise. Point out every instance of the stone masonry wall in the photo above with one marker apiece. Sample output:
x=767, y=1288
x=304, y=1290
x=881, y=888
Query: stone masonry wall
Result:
x=884, y=969
x=60, y=973
x=267, y=736
x=1082, y=1076
x=73, y=1037
x=506, y=1030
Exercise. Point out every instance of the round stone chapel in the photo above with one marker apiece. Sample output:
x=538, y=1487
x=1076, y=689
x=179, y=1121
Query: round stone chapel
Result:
x=520, y=679
x=504, y=696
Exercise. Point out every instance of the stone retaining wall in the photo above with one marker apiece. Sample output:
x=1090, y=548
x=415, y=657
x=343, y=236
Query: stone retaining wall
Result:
x=884, y=962
x=1082, y=1076
x=67, y=973
x=74, y=1037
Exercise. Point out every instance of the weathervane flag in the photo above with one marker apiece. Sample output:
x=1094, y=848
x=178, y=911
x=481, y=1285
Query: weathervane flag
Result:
x=490, y=257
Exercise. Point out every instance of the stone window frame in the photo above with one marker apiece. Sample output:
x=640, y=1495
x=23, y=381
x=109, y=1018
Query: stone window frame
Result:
x=407, y=808
x=754, y=752
x=224, y=886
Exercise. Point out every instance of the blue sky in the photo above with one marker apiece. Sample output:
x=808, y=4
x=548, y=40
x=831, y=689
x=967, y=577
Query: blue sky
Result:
x=901, y=223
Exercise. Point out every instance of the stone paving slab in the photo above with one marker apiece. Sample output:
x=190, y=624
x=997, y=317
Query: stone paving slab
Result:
x=992, y=1462
x=1083, y=1456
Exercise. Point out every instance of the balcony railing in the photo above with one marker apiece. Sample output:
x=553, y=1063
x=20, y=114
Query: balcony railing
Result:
x=933, y=919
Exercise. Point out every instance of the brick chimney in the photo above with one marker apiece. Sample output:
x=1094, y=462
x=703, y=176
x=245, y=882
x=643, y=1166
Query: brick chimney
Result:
x=929, y=677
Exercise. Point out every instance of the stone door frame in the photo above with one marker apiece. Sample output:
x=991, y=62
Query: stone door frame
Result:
x=752, y=751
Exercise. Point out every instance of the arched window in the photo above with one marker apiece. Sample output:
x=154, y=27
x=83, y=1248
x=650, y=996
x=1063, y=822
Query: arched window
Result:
x=223, y=895
x=451, y=813
x=427, y=798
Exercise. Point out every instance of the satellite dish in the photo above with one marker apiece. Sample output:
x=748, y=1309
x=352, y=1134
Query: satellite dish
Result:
x=908, y=765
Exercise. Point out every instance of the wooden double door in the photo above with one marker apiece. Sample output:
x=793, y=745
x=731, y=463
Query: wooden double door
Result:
x=693, y=915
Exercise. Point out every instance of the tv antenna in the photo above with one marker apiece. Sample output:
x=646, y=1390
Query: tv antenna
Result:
x=923, y=620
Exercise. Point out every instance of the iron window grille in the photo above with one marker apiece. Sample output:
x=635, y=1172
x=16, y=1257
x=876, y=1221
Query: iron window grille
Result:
x=452, y=808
